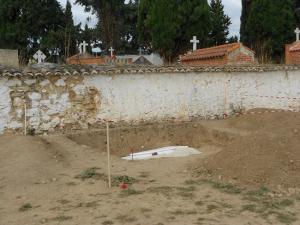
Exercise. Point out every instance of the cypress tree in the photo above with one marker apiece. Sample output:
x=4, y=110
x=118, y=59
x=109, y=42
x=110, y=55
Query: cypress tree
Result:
x=69, y=36
x=246, y=7
x=297, y=11
x=269, y=27
x=220, y=23
x=168, y=26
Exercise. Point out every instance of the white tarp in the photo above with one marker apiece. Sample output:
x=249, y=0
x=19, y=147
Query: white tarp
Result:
x=171, y=151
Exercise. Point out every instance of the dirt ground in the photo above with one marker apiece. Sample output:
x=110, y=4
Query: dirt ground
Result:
x=248, y=173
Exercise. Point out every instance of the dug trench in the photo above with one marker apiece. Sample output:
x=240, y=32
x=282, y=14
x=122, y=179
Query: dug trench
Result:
x=255, y=150
x=139, y=138
x=247, y=173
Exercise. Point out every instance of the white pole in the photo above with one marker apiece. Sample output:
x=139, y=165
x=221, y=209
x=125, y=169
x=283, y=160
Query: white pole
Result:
x=108, y=155
x=25, y=118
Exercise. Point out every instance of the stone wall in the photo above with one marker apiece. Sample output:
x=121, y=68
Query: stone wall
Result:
x=83, y=100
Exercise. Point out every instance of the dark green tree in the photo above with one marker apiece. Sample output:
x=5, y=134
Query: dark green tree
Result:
x=129, y=42
x=297, y=11
x=246, y=7
x=70, y=32
x=117, y=22
x=24, y=24
x=269, y=27
x=167, y=26
x=220, y=23
x=144, y=35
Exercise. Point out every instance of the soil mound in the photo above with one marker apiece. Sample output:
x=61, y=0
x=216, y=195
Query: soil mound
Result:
x=269, y=153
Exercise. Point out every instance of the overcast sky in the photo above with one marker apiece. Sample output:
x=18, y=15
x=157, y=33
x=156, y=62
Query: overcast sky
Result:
x=232, y=8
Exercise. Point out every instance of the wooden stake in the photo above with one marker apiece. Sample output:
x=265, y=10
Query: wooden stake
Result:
x=25, y=119
x=108, y=155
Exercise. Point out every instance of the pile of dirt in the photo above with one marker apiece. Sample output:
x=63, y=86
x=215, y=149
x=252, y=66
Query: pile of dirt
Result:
x=267, y=153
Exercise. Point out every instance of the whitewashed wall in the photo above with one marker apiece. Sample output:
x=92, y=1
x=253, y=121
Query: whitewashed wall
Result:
x=143, y=97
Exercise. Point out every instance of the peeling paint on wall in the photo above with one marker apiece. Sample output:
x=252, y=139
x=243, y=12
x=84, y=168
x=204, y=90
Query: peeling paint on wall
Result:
x=80, y=102
x=5, y=104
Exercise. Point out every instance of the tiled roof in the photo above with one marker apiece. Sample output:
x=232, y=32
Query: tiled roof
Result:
x=217, y=51
x=74, y=70
x=295, y=46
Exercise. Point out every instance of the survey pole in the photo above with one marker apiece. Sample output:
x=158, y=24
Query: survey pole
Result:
x=108, y=154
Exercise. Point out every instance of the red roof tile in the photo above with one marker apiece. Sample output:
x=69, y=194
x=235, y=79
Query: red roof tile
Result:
x=295, y=47
x=212, y=52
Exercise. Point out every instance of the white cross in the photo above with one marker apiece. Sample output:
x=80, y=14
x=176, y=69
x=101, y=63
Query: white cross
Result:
x=111, y=51
x=39, y=56
x=195, y=42
x=297, y=32
x=82, y=47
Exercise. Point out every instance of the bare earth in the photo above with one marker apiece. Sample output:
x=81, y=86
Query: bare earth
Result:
x=248, y=174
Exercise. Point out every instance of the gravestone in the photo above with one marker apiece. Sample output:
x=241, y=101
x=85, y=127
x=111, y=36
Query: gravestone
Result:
x=39, y=56
x=111, y=51
x=297, y=32
x=82, y=47
x=141, y=50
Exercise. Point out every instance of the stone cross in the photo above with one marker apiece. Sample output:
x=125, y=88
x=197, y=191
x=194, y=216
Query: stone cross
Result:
x=195, y=42
x=39, y=56
x=297, y=32
x=82, y=47
x=111, y=51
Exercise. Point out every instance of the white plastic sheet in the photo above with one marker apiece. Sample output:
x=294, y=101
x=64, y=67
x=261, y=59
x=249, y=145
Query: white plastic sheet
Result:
x=170, y=151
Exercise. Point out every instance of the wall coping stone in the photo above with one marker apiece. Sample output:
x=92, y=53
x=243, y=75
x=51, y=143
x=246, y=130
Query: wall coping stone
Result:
x=73, y=70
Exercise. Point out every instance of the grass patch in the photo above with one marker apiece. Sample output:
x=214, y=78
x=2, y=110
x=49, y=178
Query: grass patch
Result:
x=126, y=219
x=199, y=203
x=63, y=201
x=249, y=207
x=190, y=182
x=129, y=192
x=25, y=207
x=226, y=188
x=186, y=189
x=144, y=174
x=145, y=210
x=225, y=205
x=211, y=207
x=71, y=183
x=90, y=173
x=286, y=203
x=181, y=212
x=266, y=206
x=171, y=218
x=164, y=190
x=276, y=204
x=259, y=192
x=117, y=180
x=91, y=204
x=186, y=192
x=62, y=218
x=286, y=218
x=107, y=222
x=88, y=204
